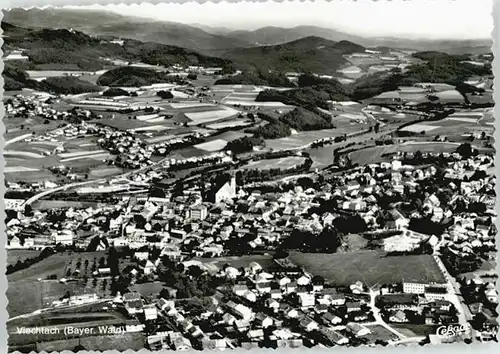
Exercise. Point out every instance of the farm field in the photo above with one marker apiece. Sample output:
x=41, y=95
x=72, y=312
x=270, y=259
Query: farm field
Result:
x=29, y=160
x=303, y=138
x=27, y=294
x=53, y=264
x=456, y=125
x=210, y=116
x=229, y=124
x=105, y=172
x=126, y=341
x=61, y=341
x=412, y=330
x=371, y=267
x=212, y=146
x=282, y=163
x=376, y=154
x=20, y=255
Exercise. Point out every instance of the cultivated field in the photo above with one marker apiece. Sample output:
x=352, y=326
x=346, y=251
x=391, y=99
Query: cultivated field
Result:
x=282, y=163
x=382, y=153
x=210, y=116
x=212, y=146
x=14, y=256
x=370, y=267
x=26, y=294
x=303, y=138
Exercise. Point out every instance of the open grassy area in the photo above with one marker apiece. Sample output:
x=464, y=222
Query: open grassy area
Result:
x=30, y=295
x=148, y=289
x=380, y=333
x=376, y=154
x=14, y=256
x=371, y=267
x=282, y=163
x=26, y=294
x=304, y=138
x=414, y=330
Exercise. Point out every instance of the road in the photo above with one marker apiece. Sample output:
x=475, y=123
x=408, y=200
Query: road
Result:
x=16, y=139
x=454, y=296
x=80, y=184
x=378, y=318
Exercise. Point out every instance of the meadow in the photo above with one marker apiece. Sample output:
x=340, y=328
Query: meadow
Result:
x=281, y=163
x=370, y=267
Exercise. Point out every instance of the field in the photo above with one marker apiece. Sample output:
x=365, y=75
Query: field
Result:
x=20, y=255
x=84, y=318
x=36, y=154
x=412, y=330
x=460, y=123
x=27, y=294
x=30, y=295
x=147, y=289
x=380, y=333
x=38, y=74
x=132, y=341
x=419, y=127
x=376, y=154
x=371, y=267
x=210, y=116
x=282, y=163
x=211, y=146
x=303, y=138
x=230, y=124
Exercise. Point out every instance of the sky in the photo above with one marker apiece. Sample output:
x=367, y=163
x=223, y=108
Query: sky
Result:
x=432, y=19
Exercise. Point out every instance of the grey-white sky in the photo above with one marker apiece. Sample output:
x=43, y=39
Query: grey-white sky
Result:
x=433, y=19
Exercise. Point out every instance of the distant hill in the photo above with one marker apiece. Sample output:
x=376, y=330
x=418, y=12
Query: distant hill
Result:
x=312, y=54
x=277, y=35
x=63, y=46
x=215, y=40
x=110, y=24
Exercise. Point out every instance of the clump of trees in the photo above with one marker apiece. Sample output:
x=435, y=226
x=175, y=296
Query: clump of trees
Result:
x=305, y=120
x=189, y=282
x=166, y=95
x=133, y=76
x=245, y=144
x=68, y=85
x=115, y=91
x=271, y=131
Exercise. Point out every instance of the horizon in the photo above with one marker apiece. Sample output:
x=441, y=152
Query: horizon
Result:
x=420, y=20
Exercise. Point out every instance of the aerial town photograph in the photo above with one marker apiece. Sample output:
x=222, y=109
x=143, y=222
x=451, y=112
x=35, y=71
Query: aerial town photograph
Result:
x=249, y=175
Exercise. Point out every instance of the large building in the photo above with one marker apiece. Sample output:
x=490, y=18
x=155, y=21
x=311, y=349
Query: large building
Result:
x=224, y=189
x=198, y=212
x=422, y=288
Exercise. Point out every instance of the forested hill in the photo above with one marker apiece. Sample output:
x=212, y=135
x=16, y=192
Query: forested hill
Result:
x=310, y=54
x=70, y=47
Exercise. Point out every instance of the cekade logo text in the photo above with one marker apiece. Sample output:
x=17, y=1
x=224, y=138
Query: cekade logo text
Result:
x=452, y=330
